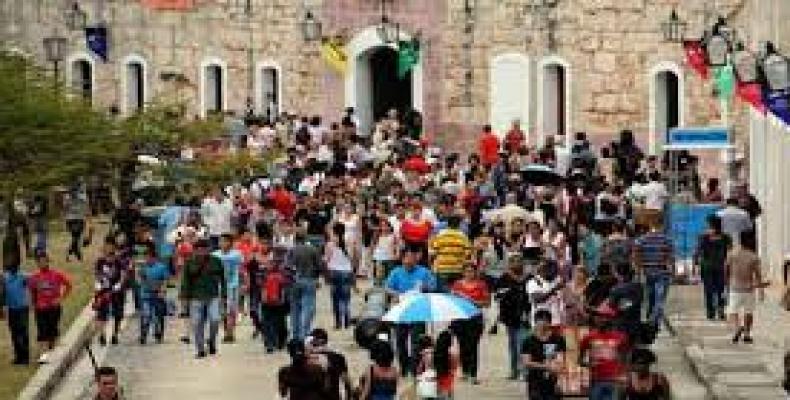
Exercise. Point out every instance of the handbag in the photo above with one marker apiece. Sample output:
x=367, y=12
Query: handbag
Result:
x=427, y=386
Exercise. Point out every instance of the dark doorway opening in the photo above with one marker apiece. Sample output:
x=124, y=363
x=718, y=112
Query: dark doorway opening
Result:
x=389, y=91
x=673, y=106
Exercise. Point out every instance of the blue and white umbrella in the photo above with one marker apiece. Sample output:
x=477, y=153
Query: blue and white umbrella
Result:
x=431, y=307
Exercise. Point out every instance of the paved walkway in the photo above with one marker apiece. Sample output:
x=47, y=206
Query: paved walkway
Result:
x=244, y=371
x=731, y=371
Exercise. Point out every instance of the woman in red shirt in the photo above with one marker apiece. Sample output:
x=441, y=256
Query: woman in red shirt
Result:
x=469, y=332
x=416, y=230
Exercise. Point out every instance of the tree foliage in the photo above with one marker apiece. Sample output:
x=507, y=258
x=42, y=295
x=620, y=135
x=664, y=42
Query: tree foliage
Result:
x=47, y=136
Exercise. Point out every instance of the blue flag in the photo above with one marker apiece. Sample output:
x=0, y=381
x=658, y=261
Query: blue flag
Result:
x=96, y=37
x=778, y=104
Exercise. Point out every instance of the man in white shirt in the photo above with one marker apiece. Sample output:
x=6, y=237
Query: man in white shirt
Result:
x=655, y=193
x=562, y=155
x=216, y=212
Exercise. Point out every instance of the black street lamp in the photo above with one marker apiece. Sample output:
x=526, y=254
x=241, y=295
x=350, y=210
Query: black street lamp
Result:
x=311, y=27
x=718, y=44
x=76, y=17
x=674, y=29
x=776, y=68
x=55, y=52
x=745, y=64
x=388, y=31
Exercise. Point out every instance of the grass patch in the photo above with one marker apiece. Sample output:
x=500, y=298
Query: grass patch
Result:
x=12, y=377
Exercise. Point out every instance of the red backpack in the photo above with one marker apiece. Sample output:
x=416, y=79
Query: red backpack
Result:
x=274, y=284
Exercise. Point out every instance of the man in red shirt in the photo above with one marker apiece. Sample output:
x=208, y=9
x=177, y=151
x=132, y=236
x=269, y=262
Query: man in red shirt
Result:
x=283, y=201
x=515, y=138
x=488, y=147
x=48, y=288
x=605, y=348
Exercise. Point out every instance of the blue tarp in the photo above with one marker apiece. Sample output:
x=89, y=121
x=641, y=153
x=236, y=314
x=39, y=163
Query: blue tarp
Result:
x=685, y=223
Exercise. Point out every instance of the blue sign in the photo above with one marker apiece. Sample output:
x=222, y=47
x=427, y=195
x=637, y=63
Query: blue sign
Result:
x=698, y=138
x=685, y=224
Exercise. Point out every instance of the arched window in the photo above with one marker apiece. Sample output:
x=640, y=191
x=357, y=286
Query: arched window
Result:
x=81, y=78
x=554, y=88
x=666, y=103
x=213, y=87
x=269, y=92
x=509, y=92
x=134, y=84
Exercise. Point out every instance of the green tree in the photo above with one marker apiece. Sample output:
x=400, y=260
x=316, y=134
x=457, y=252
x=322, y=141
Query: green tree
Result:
x=48, y=137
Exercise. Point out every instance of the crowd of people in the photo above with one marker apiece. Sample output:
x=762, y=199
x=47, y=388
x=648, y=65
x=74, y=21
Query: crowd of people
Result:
x=561, y=249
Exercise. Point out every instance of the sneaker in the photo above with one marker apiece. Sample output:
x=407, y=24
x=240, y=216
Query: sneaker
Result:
x=44, y=358
x=102, y=340
x=748, y=339
x=200, y=354
x=114, y=340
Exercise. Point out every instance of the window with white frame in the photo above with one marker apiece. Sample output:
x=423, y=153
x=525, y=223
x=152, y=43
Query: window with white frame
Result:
x=135, y=86
x=213, y=89
x=270, y=92
x=82, y=79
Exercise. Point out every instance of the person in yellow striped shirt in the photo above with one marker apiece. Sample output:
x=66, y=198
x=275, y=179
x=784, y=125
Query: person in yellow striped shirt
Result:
x=449, y=250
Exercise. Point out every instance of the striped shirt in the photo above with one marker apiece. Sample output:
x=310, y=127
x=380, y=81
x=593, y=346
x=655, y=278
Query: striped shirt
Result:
x=451, y=248
x=653, y=250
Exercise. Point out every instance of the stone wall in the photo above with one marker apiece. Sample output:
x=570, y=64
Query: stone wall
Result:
x=610, y=45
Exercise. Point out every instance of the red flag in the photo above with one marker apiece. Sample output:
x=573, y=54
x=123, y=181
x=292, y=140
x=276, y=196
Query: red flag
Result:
x=695, y=56
x=751, y=93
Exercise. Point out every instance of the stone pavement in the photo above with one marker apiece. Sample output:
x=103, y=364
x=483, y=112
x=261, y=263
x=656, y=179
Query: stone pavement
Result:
x=243, y=370
x=731, y=371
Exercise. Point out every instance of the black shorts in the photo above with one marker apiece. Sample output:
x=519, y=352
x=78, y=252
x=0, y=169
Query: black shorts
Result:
x=113, y=306
x=47, y=321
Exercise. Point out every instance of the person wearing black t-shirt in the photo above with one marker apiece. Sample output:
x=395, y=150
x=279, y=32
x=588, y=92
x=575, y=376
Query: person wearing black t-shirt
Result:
x=543, y=354
x=314, y=218
x=333, y=363
x=626, y=296
x=301, y=380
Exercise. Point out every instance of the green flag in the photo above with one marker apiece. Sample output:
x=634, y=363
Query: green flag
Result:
x=724, y=77
x=408, y=56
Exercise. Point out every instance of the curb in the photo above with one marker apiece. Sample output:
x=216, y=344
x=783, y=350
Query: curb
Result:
x=68, y=350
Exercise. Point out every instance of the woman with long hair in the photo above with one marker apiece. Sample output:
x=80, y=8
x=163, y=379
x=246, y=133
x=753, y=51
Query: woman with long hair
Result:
x=338, y=255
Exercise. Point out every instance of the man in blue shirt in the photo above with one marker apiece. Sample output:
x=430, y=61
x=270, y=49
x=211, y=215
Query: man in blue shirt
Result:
x=232, y=260
x=152, y=275
x=409, y=277
x=14, y=297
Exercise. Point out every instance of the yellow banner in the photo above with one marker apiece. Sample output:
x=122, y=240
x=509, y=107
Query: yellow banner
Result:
x=333, y=52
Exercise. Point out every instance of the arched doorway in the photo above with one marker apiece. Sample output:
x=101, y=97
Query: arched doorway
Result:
x=213, y=87
x=554, y=100
x=667, y=108
x=387, y=90
x=134, y=85
x=82, y=79
x=509, y=92
x=372, y=84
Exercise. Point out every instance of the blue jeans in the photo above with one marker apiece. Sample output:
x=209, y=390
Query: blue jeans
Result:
x=152, y=313
x=302, y=307
x=604, y=391
x=341, y=297
x=40, y=232
x=657, y=283
x=515, y=337
x=202, y=312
